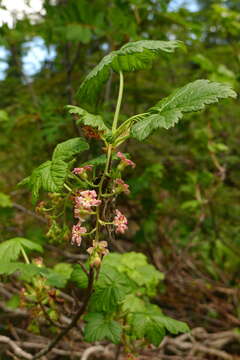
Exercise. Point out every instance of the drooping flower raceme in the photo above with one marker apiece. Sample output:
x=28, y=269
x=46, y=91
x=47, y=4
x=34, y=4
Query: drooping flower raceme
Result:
x=120, y=221
x=125, y=161
x=77, y=231
x=82, y=209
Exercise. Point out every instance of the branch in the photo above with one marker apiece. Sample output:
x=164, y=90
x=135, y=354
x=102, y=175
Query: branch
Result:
x=17, y=350
x=29, y=212
x=33, y=345
x=74, y=321
x=48, y=318
x=91, y=350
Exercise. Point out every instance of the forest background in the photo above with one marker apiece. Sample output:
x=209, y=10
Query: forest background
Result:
x=184, y=207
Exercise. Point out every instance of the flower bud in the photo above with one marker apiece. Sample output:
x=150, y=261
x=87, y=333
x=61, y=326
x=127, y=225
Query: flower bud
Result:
x=95, y=261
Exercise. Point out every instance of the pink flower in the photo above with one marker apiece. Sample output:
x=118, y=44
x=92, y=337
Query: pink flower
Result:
x=81, y=170
x=87, y=199
x=121, y=186
x=100, y=247
x=77, y=231
x=125, y=160
x=120, y=221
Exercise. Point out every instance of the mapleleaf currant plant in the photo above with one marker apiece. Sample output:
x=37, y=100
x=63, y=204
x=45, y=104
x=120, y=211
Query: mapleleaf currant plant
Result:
x=117, y=296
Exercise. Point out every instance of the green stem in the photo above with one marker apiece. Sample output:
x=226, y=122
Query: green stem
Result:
x=128, y=121
x=67, y=187
x=109, y=150
x=105, y=222
x=89, y=233
x=25, y=256
x=82, y=181
x=119, y=101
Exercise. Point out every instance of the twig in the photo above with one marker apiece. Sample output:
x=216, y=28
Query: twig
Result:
x=91, y=350
x=118, y=352
x=74, y=321
x=17, y=350
x=48, y=318
x=32, y=345
x=211, y=351
x=29, y=212
x=83, y=268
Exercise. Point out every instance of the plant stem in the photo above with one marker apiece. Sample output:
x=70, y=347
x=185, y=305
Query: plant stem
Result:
x=109, y=150
x=25, y=256
x=128, y=121
x=74, y=321
x=119, y=101
x=67, y=187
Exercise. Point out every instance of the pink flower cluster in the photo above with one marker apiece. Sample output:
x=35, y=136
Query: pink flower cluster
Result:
x=120, y=221
x=81, y=170
x=125, y=161
x=87, y=199
x=83, y=206
x=121, y=186
x=77, y=231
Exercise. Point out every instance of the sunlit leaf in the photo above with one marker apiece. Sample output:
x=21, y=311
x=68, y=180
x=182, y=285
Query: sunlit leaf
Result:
x=191, y=97
x=130, y=57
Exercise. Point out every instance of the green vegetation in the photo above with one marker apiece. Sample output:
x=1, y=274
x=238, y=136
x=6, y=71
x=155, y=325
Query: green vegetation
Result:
x=121, y=169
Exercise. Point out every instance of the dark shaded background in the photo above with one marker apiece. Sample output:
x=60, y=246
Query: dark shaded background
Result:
x=185, y=205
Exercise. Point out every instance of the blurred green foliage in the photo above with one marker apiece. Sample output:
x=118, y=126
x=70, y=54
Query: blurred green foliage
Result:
x=186, y=188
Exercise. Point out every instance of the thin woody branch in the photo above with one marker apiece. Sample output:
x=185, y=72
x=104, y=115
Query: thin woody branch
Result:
x=24, y=355
x=74, y=321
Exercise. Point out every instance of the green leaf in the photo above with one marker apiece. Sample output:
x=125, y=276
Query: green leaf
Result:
x=100, y=328
x=79, y=277
x=111, y=288
x=94, y=81
x=78, y=32
x=25, y=181
x=155, y=333
x=144, y=276
x=67, y=149
x=14, y=302
x=95, y=121
x=5, y=200
x=191, y=97
x=100, y=160
x=29, y=270
x=106, y=299
x=28, y=244
x=145, y=326
x=54, y=278
x=130, y=57
x=11, y=249
x=50, y=176
x=142, y=129
x=64, y=270
x=54, y=175
x=139, y=55
x=8, y=268
x=203, y=62
x=173, y=326
x=133, y=303
x=3, y=116
x=152, y=325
